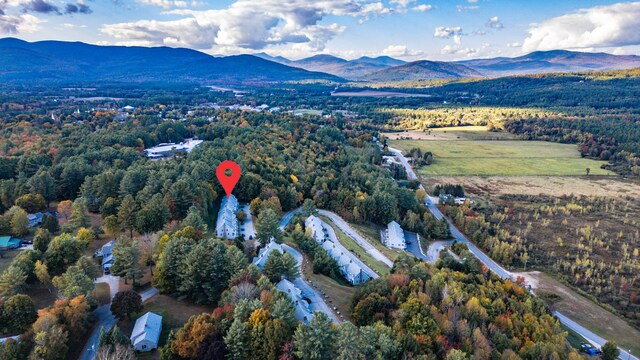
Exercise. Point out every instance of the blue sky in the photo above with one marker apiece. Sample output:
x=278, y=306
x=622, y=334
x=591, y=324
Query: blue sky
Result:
x=408, y=29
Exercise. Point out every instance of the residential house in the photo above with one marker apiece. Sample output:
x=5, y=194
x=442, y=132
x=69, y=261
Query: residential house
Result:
x=107, y=256
x=9, y=242
x=264, y=253
x=394, y=237
x=146, y=332
x=315, y=229
x=227, y=223
x=303, y=312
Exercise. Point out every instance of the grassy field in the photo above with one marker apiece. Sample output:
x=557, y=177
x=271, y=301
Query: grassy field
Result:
x=7, y=258
x=584, y=311
x=357, y=250
x=514, y=157
x=175, y=313
x=452, y=133
x=494, y=186
x=339, y=295
x=300, y=112
x=372, y=233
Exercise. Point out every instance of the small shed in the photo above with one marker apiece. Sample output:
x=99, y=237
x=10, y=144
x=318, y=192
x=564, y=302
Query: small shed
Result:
x=9, y=242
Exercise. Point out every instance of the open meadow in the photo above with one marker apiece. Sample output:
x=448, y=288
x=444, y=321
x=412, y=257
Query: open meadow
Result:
x=499, y=157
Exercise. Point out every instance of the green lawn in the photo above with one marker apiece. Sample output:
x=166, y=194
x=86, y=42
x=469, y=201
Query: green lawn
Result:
x=357, y=250
x=307, y=112
x=372, y=233
x=513, y=157
x=7, y=258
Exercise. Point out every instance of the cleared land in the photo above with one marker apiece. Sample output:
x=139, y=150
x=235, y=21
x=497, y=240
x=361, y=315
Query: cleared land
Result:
x=584, y=311
x=301, y=112
x=491, y=157
x=494, y=186
x=452, y=133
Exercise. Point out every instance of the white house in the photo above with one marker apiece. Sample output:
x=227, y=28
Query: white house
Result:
x=227, y=224
x=394, y=237
x=264, y=253
x=314, y=227
x=146, y=332
x=303, y=312
x=166, y=149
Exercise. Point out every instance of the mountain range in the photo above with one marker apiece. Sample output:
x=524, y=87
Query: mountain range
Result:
x=61, y=62
x=389, y=69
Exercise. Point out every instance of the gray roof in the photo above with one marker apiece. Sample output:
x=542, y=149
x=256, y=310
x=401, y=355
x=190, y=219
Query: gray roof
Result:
x=148, y=327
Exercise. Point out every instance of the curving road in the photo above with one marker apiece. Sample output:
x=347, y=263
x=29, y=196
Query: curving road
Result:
x=496, y=268
x=355, y=236
x=317, y=302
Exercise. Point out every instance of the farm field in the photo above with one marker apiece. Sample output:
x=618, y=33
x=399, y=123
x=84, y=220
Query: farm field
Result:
x=452, y=133
x=477, y=157
x=300, y=112
x=494, y=186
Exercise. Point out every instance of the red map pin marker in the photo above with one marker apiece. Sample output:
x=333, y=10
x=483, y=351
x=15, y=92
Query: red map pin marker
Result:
x=228, y=181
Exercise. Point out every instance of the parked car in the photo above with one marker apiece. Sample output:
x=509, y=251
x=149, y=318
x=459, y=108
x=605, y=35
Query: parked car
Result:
x=590, y=349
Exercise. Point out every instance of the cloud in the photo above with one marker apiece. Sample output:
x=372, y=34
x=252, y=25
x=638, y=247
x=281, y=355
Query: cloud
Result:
x=77, y=8
x=166, y=3
x=494, y=23
x=601, y=26
x=457, y=50
x=447, y=32
x=401, y=51
x=41, y=6
x=470, y=8
x=422, y=8
x=249, y=24
x=25, y=23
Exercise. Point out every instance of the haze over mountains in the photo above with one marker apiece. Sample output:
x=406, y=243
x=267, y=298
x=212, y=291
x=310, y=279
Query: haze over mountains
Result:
x=75, y=62
x=22, y=62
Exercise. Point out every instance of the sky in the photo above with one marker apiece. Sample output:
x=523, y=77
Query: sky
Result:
x=405, y=29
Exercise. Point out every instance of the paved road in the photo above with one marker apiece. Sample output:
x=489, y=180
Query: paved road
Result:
x=411, y=175
x=592, y=338
x=355, y=236
x=106, y=320
x=149, y=293
x=286, y=218
x=317, y=302
x=499, y=270
x=433, y=253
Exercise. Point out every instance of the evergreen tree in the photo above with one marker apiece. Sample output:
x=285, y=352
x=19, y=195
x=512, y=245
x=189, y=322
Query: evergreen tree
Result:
x=267, y=226
x=79, y=215
x=316, y=340
x=126, y=260
x=194, y=219
x=237, y=341
x=127, y=214
x=41, y=240
x=153, y=215
x=12, y=281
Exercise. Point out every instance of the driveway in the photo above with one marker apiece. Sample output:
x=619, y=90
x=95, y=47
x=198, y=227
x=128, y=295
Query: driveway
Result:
x=249, y=229
x=413, y=245
x=355, y=236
